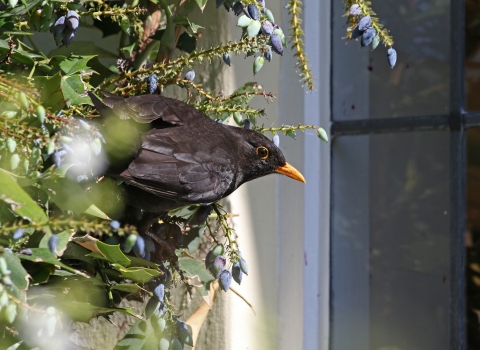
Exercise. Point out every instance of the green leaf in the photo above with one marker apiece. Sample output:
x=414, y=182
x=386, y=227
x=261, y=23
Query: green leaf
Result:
x=51, y=96
x=45, y=255
x=184, y=21
x=84, y=312
x=201, y=4
x=20, y=202
x=131, y=288
x=77, y=252
x=113, y=254
x=74, y=91
x=137, y=274
x=18, y=275
x=140, y=337
x=185, y=212
x=75, y=64
x=193, y=268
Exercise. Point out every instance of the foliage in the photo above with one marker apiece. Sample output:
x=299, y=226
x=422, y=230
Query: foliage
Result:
x=62, y=257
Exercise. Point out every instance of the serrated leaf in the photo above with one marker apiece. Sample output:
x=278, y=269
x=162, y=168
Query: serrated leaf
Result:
x=140, y=337
x=201, y=4
x=113, y=253
x=74, y=90
x=20, y=202
x=75, y=64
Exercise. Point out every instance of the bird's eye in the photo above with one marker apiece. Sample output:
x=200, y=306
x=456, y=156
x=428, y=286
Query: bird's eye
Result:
x=262, y=152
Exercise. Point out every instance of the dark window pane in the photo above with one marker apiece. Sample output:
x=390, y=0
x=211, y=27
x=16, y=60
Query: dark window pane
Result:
x=472, y=54
x=472, y=240
x=390, y=234
x=364, y=85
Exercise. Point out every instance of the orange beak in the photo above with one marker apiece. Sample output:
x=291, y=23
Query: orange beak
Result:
x=291, y=172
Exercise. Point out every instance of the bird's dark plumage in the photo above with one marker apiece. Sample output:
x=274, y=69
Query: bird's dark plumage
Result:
x=180, y=156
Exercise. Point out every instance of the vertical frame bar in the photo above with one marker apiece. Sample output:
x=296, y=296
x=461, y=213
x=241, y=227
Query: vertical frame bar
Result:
x=457, y=176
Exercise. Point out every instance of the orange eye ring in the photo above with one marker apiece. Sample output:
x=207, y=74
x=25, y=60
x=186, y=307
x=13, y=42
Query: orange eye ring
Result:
x=262, y=152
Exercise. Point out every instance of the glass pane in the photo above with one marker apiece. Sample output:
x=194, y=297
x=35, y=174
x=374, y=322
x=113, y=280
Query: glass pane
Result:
x=364, y=85
x=390, y=242
x=472, y=239
x=472, y=54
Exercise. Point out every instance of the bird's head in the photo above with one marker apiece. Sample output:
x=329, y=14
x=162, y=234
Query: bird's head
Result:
x=261, y=157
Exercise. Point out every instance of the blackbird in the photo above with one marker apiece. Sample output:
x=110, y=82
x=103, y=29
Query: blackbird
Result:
x=174, y=155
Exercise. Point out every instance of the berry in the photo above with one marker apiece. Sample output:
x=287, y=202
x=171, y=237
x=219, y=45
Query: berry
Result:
x=220, y=3
x=190, y=75
x=276, y=44
x=238, y=8
x=368, y=37
x=139, y=247
x=269, y=15
x=152, y=83
x=392, y=57
x=26, y=252
x=276, y=140
x=322, y=134
x=258, y=64
x=364, y=23
x=267, y=28
x=356, y=33
x=225, y=280
x=84, y=125
x=40, y=111
x=253, y=12
x=68, y=35
x=59, y=27
x=375, y=42
x=152, y=305
x=183, y=333
x=52, y=243
x=244, y=266
x=244, y=21
x=18, y=233
x=129, y=243
x=261, y=2
x=226, y=59
x=246, y=124
x=237, y=273
x=72, y=20
x=218, y=266
x=159, y=292
x=114, y=225
x=253, y=29
x=355, y=10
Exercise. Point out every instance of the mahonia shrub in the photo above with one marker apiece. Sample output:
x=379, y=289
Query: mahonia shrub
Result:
x=62, y=257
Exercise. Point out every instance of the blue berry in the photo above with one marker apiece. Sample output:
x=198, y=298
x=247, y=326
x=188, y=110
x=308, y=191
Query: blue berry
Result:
x=364, y=23
x=52, y=243
x=368, y=36
x=392, y=57
x=159, y=292
x=244, y=266
x=268, y=53
x=226, y=59
x=190, y=75
x=18, y=233
x=152, y=83
x=276, y=140
x=59, y=27
x=237, y=273
x=253, y=12
x=267, y=28
x=238, y=8
x=277, y=45
x=114, y=225
x=355, y=10
x=225, y=280
x=246, y=124
x=73, y=20
x=139, y=247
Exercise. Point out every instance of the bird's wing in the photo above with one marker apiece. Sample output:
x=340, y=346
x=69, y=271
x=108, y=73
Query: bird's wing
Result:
x=170, y=168
x=148, y=108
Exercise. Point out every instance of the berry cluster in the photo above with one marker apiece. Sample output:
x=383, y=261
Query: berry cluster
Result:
x=368, y=34
x=256, y=23
x=65, y=27
x=215, y=262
